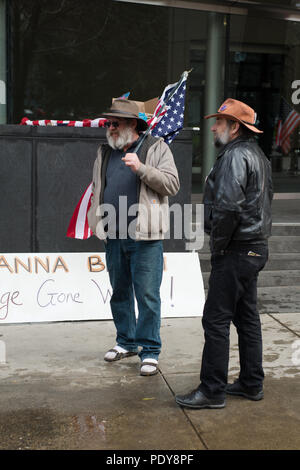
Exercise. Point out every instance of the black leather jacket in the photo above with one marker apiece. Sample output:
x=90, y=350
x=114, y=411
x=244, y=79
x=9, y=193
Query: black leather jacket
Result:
x=237, y=196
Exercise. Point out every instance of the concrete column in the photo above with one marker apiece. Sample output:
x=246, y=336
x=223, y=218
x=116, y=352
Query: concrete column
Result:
x=214, y=84
x=3, y=116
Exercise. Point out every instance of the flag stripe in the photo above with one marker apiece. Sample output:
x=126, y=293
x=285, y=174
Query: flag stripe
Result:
x=87, y=230
x=82, y=213
x=290, y=124
x=79, y=216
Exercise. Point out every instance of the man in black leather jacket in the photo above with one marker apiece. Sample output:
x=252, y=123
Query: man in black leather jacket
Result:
x=237, y=206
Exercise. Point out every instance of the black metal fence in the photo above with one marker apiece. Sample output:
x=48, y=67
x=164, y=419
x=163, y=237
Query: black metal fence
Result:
x=44, y=172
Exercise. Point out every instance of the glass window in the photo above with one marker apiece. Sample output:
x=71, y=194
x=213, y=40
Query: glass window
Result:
x=69, y=58
x=264, y=63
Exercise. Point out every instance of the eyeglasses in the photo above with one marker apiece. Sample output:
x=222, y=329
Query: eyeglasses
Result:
x=114, y=124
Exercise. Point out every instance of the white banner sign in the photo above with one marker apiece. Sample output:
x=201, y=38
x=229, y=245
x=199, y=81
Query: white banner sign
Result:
x=45, y=287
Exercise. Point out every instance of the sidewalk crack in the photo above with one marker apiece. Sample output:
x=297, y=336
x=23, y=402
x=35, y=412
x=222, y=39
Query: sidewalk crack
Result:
x=198, y=434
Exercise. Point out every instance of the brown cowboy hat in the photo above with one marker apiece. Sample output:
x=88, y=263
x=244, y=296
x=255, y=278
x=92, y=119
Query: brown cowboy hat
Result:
x=123, y=108
x=237, y=111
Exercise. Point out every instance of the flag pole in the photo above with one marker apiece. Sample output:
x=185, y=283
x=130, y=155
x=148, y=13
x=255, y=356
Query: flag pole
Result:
x=182, y=78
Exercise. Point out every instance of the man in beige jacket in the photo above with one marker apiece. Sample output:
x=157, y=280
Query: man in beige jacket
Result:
x=130, y=211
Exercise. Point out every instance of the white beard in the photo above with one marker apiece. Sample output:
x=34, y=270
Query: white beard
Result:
x=124, y=138
x=222, y=139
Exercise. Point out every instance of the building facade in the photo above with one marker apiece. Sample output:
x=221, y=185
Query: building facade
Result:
x=66, y=59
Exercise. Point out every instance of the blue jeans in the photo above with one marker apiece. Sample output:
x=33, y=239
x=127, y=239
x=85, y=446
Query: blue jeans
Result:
x=135, y=271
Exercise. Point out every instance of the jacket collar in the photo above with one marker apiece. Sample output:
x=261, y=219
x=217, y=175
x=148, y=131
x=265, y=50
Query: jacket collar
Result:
x=230, y=145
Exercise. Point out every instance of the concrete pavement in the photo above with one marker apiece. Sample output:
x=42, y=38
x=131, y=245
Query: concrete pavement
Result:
x=58, y=393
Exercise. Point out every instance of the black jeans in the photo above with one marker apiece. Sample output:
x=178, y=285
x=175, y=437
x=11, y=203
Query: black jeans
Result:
x=232, y=296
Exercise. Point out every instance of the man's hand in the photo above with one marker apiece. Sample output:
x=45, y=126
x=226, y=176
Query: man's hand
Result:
x=132, y=160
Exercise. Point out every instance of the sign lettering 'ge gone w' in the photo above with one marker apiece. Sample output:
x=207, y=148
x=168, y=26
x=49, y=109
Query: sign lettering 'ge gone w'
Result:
x=45, y=287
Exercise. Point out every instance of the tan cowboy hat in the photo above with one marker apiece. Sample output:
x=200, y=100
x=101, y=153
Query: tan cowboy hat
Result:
x=237, y=111
x=123, y=108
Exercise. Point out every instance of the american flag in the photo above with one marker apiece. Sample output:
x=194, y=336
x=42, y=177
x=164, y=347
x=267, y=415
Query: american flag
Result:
x=170, y=121
x=289, y=119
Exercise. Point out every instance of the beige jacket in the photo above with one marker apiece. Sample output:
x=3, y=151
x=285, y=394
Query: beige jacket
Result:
x=158, y=180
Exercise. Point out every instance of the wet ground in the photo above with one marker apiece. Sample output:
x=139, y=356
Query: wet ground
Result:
x=58, y=393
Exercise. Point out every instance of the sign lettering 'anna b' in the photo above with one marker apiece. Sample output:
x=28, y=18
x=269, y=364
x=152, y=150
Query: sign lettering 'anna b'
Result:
x=36, y=264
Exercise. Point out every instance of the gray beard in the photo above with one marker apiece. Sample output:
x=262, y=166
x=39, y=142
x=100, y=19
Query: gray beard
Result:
x=222, y=140
x=125, y=138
